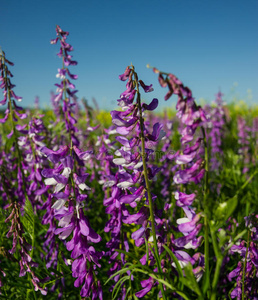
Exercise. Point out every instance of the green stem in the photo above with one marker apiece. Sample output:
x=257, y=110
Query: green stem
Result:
x=247, y=181
x=206, y=282
x=147, y=183
x=216, y=278
x=235, y=240
x=219, y=261
x=244, y=268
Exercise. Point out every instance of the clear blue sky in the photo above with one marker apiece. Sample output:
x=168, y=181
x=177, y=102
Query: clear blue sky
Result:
x=208, y=44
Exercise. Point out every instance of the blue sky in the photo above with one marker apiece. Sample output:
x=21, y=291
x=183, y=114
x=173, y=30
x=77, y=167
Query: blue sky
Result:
x=209, y=45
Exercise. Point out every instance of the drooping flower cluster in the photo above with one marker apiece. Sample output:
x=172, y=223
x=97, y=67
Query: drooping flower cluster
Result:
x=69, y=186
x=13, y=110
x=255, y=134
x=129, y=182
x=15, y=165
x=244, y=142
x=190, y=160
x=20, y=243
x=166, y=157
x=66, y=89
x=14, y=169
x=31, y=143
x=216, y=124
x=245, y=274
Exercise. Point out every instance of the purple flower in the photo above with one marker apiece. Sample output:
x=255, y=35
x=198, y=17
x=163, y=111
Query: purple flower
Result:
x=69, y=179
x=152, y=106
x=54, y=156
x=184, y=199
x=147, y=286
x=66, y=89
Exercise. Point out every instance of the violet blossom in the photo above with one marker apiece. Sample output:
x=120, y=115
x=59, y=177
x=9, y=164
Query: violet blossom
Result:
x=7, y=87
x=66, y=89
x=244, y=142
x=68, y=210
x=216, y=123
x=191, y=157
x=130, y=186
x=248, y=263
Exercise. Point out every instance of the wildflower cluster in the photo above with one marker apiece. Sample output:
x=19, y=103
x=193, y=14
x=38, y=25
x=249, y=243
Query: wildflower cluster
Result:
x=216, y=124
x=131, y=204
x=246, y=271
x=132, y=180
x=66, y=89
x=190, y=164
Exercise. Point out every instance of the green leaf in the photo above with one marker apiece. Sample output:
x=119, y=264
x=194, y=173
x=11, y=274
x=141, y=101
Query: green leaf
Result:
x=28, y=220
x=126, y=253
x=167, y=284
x=116, y=288
x=226, y=209
x=147, y=251
x=62, y=265
x=191, y=280
x=117, y=273
x=173, y=257
x=9, y=143
x=127, y=291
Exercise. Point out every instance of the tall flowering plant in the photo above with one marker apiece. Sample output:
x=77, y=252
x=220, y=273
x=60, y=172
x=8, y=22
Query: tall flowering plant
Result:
x=132, y=181
x=13, y=186
x=196, y=161
x=160, y=228
x=193, y=161
x=245, y=274
x=65, y=182
x=68, y=199
x=244, y=141
x=215, y=134
x=66, y=89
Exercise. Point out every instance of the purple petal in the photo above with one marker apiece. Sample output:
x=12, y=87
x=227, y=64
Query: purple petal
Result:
x=10, y=134
x=143, y=292
x=126, y=74
x=153, y=105
x=93, y=236
x=147, y=88
x=138, y=233
x=84, y=227
x=184, y=199
x=123, y=140
x=54, y=156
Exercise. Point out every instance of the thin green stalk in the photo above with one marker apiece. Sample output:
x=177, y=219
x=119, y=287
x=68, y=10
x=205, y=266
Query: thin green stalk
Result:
x=219, y=261
x=247, y=181
x=244, y=268
x=32, y=290
x=147, y=183
x=242, y=233
x=206, y=284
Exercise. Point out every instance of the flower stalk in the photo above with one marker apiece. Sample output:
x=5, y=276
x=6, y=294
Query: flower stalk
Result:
x=7, y=86
x=147, y=183
x=206, y=218
x=219, y=261
x=244, y=268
